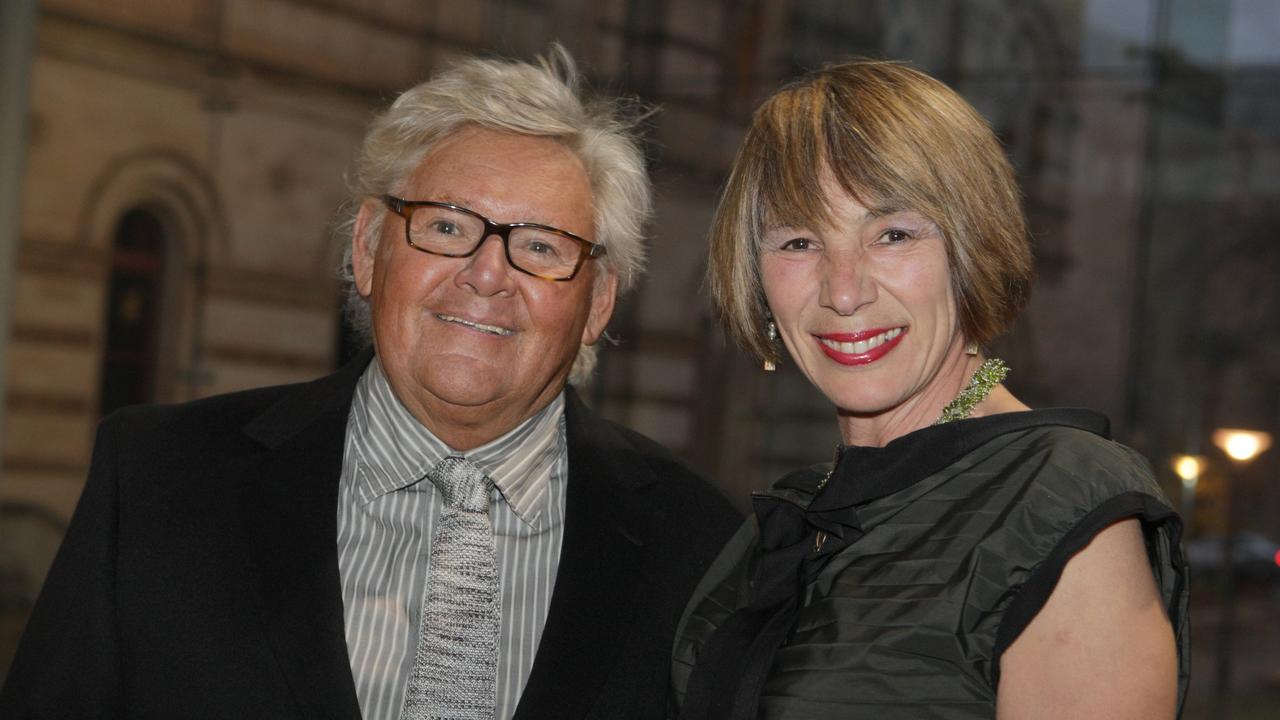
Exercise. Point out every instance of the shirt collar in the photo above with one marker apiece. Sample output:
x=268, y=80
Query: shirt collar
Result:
x=394, y=450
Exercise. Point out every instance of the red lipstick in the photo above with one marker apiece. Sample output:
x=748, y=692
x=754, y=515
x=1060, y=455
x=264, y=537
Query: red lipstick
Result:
x=862, y=358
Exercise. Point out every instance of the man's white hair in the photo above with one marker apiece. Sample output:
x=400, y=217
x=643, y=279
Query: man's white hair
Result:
x=543, y=99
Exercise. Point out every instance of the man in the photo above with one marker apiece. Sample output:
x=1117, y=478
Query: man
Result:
x=440, y=529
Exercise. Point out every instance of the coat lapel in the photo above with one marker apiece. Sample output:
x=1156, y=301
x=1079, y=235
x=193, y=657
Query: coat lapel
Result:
x=599, y=573
x=291, y=533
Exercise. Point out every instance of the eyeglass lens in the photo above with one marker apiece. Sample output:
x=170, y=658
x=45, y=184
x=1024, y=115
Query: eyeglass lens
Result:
x=451, y=232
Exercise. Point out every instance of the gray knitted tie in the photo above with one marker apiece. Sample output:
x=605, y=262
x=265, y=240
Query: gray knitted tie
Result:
x=454, y=672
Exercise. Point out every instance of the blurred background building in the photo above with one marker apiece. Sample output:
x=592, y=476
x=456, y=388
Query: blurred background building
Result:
x=172, y=169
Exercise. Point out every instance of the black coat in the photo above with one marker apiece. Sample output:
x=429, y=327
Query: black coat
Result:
x=199, y=577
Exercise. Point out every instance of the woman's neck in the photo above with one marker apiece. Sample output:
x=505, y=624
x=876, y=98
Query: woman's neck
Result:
x=999, y=400
x=924, y=408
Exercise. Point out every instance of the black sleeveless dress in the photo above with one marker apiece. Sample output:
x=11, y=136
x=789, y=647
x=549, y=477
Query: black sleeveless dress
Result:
x=890, y=585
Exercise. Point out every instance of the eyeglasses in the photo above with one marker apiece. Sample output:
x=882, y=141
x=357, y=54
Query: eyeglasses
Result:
x=452, y=231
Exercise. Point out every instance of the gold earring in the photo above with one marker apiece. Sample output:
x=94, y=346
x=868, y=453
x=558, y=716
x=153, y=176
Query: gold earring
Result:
x=971, y=349
x=772, y=331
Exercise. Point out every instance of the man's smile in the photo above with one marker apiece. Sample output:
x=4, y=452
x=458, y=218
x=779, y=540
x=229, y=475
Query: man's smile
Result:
x=482, y=327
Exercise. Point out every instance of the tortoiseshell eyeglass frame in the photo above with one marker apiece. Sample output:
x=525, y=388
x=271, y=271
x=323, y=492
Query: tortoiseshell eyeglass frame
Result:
x=405, y=208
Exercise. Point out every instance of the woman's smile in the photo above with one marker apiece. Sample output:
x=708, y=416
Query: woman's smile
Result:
x=860, y=348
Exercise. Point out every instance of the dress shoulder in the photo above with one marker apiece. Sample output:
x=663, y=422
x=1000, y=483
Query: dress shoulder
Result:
x=1071, y=485
x=1085, y=467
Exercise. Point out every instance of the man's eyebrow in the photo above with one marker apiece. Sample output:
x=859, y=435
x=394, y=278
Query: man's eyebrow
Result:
x=450, y=199
x=470, y=204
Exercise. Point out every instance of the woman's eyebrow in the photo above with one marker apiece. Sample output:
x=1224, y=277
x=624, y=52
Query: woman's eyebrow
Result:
x=885, y=209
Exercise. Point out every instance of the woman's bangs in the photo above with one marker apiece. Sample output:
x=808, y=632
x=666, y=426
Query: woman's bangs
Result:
x=792, y=161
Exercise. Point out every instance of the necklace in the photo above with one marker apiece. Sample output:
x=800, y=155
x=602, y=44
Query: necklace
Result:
x=987, y=376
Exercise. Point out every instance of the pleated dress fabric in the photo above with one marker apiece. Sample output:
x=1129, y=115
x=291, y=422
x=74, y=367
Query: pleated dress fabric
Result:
x=953, y=540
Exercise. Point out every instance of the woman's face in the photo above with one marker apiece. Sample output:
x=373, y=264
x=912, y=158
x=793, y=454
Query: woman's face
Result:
x=865, y=307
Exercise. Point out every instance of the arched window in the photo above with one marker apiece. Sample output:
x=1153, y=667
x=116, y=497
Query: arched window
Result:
x=129, y=358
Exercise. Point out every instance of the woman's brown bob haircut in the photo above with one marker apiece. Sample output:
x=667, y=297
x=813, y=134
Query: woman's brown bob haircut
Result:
x=892, y=137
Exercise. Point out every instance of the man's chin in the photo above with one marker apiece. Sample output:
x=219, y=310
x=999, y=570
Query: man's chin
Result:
x=444, y=383
x=466, y=386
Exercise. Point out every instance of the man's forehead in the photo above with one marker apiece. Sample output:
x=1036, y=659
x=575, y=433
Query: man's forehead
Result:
x=506, y=177
x=500, y=151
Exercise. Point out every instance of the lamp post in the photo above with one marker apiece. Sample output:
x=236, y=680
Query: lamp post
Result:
x=1242, y=446
x=1189, y=468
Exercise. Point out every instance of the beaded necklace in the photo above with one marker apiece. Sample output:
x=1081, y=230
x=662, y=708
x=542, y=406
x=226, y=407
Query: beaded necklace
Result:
x=990, y=373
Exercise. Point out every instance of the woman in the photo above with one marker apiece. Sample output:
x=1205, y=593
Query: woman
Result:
x=964, y=556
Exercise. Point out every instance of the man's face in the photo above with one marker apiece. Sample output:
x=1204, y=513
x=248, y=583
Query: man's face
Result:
x=471, y=345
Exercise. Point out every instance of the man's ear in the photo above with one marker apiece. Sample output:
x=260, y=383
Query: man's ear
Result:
x=362, y=248
x=602, y=299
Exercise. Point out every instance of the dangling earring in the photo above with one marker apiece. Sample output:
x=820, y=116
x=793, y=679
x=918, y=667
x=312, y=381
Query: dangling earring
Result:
x=971, y=349
x=771, y=330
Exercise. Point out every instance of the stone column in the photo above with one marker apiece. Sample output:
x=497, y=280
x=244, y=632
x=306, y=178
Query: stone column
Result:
x=17, y=38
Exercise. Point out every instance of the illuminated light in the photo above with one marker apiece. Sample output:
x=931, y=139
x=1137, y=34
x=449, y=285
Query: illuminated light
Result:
x=1242, y=445
x=1277, y=558
x=1189, y=468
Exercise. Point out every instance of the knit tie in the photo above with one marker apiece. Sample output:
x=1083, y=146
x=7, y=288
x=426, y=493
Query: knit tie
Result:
x=454, y=674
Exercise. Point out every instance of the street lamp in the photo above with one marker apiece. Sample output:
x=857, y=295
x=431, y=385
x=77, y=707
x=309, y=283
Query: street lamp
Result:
x=1242, y=446
x=1189, y=468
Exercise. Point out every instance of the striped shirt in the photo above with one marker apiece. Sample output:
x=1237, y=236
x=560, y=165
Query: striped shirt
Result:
x=387, y=515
